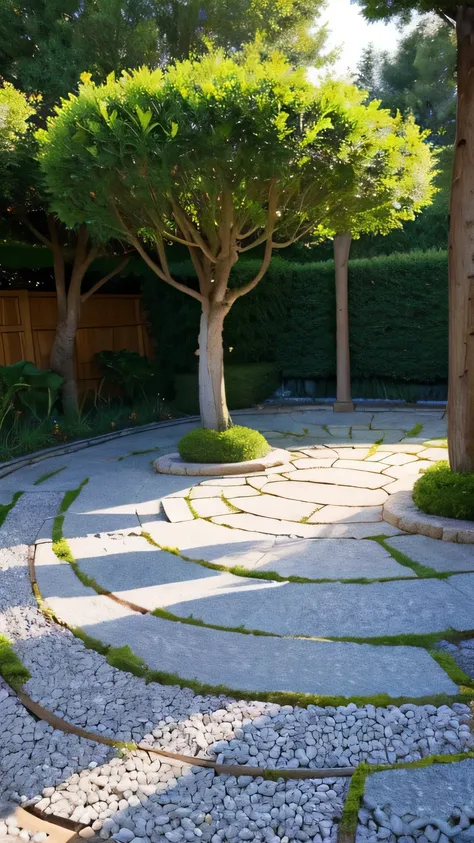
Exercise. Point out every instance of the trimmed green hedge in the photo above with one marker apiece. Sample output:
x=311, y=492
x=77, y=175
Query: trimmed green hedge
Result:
x=237, y=444
x=398, y=317
x=245, y=387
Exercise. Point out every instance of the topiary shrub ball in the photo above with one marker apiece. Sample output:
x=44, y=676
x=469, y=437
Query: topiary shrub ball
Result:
x=440, y=491
x=237, y=444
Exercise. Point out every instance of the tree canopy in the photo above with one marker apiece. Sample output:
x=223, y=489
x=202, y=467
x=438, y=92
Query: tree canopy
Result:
x=46, y=44
x=15, y=111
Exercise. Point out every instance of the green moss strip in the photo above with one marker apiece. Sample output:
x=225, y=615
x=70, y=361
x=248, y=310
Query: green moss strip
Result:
x=421, y=571
x=70, y=497
x=12, y=668
x=415, y=431
x=48, y=474
x=6, y=507
x=451, y=667
x=349, y=818
x=168, y=616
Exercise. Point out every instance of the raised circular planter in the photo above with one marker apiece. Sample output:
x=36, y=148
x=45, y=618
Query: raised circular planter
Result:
x=173, y=464
x=401, y=512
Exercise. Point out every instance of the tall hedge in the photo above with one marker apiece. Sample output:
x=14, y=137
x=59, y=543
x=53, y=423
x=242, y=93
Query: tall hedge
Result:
x=398, y=319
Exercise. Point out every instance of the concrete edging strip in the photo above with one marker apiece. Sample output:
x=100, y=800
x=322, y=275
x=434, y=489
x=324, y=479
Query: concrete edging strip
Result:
x=400, y=511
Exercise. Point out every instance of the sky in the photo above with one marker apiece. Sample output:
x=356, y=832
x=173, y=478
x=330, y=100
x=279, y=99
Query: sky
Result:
x=350, y=30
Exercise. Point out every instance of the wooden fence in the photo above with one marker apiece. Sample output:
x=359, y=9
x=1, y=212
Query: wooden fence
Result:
x=108, y=323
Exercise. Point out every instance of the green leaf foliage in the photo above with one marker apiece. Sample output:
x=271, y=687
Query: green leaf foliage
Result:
x=335, y=163
x=23, y=386
x=237, y=444
x=440, y=491
x=135, y=375
x=15, y=111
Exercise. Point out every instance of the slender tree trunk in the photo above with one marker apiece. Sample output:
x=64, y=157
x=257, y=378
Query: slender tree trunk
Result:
x=342, y=247
x=461, y=259
x=62, y=354
x=212, y=398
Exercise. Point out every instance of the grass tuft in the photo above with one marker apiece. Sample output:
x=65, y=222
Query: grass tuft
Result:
x=168, y=616
x=415, y=431
x=12, y=668
x=5, y=508
x=123, y=658
x=70, y=497
x=48, y=474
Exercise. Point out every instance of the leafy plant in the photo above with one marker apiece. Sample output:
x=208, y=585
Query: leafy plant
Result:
x=137, y=376
x=440, y=491
x=23, y=386
x=236, y=444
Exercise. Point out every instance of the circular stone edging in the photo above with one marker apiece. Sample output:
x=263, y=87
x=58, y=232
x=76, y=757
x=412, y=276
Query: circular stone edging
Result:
x=173, y=464
x=401, y=512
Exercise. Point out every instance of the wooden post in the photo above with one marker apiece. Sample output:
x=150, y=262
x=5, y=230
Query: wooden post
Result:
x=342, y=247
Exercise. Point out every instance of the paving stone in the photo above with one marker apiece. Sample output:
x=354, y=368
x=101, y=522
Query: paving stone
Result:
x=434, y=454
x=272, y=527
x=399, y=459
x=265, y=663
x=322, y=452
x=339, y=477
x=404, y=484
x=259, y=482
x=429, y=792
x=463, y=583
x=273, y=507
x=440, y=555
x=360, y=465
x=205, y=507
x=322, y=493
x=410, y=469
x=335, y=610
x=400, y=448
x=177, y=509
x=313, y=463
x=351, y=453
x=370, y=437
x=211, y=542
x=346, y=514
x=229, y=481
x=330, y=559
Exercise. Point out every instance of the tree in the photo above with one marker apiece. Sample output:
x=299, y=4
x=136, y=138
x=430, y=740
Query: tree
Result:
x=460, y=17
x=382, y=202
x=15, y=111
x=420, y=78
x=46, y=44
x=25, y=214
x=223, y=157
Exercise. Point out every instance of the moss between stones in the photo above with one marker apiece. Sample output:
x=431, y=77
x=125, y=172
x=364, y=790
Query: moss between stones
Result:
x=237, y=444
x=440, y=491
x=12, y=668
x=422, y=571
x=48, y=474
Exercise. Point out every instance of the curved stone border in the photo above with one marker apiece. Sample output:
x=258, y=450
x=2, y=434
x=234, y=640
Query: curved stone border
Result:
x=401, y=512
x=173, y=464
x=9, y=467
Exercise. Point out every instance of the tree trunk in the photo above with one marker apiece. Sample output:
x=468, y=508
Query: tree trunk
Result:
x=62, y=356
x=461, y=259
x=342, y=246
x=212, y=398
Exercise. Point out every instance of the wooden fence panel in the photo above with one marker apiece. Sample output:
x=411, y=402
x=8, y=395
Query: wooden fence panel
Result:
x=108, y=323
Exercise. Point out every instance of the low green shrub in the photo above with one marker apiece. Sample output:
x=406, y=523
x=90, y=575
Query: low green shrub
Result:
x=246, y=385
x=23, y=387
x=440, y=491
x=135, y=375
x=234, y=445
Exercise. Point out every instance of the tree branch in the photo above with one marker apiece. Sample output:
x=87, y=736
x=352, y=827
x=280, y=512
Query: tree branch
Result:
x=151, y=263
x=233, y=295
x=102, y=281
x=447, y=19
x=39, y=236
x=188, y=228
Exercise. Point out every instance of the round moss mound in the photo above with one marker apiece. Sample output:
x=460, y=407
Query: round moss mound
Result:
x=237, y=444
x=440, y=491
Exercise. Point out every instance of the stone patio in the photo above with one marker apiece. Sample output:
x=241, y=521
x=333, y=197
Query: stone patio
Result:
x=255, y=579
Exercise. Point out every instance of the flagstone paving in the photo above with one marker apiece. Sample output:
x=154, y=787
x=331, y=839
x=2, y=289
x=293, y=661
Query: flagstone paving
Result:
x=145, y=542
